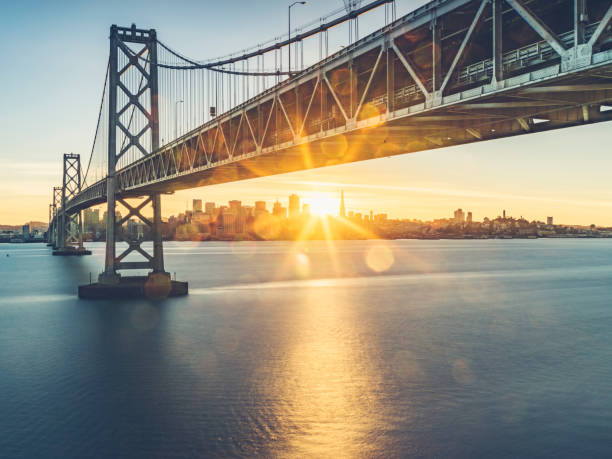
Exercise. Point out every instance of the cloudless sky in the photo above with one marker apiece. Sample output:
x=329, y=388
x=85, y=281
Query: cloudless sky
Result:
x=54, y=62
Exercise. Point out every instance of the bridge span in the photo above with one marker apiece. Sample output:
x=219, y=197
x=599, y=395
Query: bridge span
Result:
x=451, y=72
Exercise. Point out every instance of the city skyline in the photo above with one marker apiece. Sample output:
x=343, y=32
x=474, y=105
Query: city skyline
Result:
x=239, y=221
x=321, y=205
x=552, y=172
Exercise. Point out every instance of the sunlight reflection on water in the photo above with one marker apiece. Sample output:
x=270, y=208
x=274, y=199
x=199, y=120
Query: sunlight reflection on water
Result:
x=455, y=349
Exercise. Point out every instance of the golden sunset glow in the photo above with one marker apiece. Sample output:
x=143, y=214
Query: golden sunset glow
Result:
x=322, y=203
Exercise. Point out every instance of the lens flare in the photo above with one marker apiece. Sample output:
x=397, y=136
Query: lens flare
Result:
x=302, y=264
x=267, y=227
x=379, y=258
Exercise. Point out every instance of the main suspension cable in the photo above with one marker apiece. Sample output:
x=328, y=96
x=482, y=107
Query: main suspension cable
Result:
x=93, y=146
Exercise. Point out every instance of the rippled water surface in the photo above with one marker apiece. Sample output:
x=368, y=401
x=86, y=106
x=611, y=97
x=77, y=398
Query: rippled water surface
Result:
x=353, y=349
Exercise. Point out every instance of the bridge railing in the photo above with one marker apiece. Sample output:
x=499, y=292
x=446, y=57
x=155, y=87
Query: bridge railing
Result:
x=519, y=59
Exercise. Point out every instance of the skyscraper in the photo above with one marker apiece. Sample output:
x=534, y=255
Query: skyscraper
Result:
x=235, y=206
x=294, y=205
x=459, y=216
x=342, y=208
x=260, y=206
x=210, y=208
x=197, y=205
x=91, y=219
x=278, y=210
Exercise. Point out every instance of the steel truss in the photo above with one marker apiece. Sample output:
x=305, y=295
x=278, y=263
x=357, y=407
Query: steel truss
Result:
x=446, y=74
x=134, y=135
x=70, y=225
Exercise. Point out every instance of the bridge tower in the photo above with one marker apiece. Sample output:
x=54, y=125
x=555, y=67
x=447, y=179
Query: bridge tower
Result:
x=133, y=132
x=70, y=226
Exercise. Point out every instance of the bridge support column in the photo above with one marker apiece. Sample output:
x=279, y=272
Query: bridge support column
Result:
x=127, y=137
x=156, y=234
x=49, y=230
x=57, y=202
x=496, y=26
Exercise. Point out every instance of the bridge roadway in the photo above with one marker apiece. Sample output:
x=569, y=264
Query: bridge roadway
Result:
x=439, y=76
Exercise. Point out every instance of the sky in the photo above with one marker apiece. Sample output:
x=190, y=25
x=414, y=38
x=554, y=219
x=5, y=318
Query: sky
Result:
x=55, y=56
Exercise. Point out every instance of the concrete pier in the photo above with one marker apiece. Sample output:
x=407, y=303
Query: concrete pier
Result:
x=154, y=286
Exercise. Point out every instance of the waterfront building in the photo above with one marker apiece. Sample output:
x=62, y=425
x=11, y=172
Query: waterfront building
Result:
x=469, y=218
x=279, y=211
x=197, y=205
x=117, y=217
x=294, y=205
x=91, y=219
x=260, y=209
x=235, y=206
x=380, y=218
x=248, y=211
x=229, y=222
x=459, y=216
x=549, y=221
x=135, y=229
x=209, y=208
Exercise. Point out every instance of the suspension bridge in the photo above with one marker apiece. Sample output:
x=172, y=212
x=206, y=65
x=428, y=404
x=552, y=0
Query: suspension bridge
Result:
x=450, y=72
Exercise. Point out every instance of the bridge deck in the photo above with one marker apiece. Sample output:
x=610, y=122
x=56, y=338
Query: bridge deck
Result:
x=386, y=95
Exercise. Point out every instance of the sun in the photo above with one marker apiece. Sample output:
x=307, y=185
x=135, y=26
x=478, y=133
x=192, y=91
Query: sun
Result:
x=322, y=203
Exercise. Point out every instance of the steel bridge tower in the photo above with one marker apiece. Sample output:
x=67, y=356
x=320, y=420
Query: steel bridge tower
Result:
x=133, y=52
x=69, y=230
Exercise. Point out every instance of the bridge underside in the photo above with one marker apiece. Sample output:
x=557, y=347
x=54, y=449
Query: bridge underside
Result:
x=450, y=73
x=505, y=114
x=563, y=102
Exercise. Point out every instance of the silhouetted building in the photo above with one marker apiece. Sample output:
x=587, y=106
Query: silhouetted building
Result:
x=135, y=229
x=117, y=217
x=197, y=205
x=260, y=206
x=380, y=218
x=279, y=211
x=91, y=219
x=549, y=221
x=229, y=223
x=469, y=217
x=235, y=206
x=459, y=216
x=294, y=205
x=209, y=208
